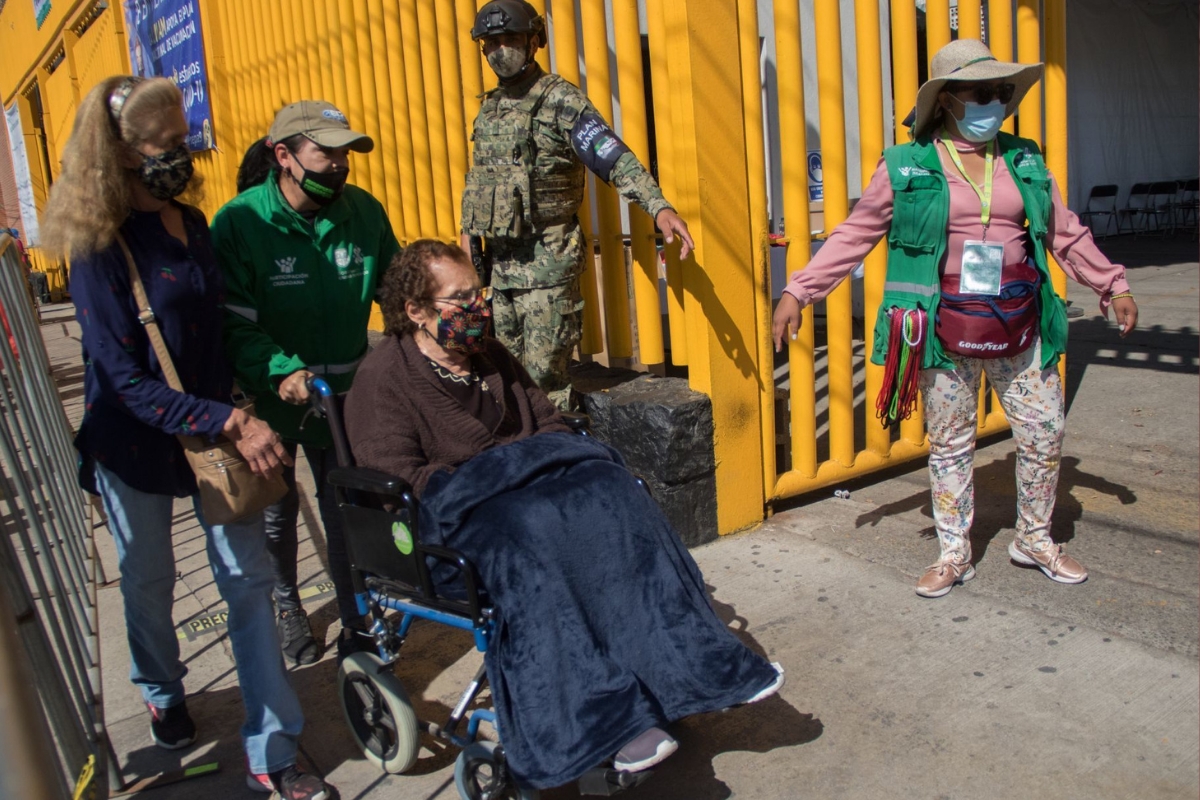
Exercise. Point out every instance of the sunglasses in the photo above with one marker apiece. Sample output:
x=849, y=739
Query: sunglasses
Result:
x=470, y=301
x=984, y=93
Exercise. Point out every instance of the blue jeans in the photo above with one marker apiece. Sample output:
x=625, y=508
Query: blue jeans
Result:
x=141, y=527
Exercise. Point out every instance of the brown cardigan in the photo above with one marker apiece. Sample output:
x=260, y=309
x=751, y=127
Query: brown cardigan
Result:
x=400, y=418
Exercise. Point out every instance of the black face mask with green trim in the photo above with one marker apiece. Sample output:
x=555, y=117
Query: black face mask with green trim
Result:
x=320, y=187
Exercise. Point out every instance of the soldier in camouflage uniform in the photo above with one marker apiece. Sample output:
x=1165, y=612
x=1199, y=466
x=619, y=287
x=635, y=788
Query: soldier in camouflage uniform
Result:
x=534, y=136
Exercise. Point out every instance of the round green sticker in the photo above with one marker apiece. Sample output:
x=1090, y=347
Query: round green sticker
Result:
x=402, y=538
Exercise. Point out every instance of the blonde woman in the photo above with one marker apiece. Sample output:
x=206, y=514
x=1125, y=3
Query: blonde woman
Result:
x=123, y=168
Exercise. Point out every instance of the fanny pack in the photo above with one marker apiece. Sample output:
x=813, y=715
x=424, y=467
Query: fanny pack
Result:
x=991, y=326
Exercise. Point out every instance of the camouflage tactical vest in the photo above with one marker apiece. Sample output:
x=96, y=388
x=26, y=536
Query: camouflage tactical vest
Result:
x=517, y=187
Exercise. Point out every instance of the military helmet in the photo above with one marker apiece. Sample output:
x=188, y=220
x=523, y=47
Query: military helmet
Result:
x=508, y=16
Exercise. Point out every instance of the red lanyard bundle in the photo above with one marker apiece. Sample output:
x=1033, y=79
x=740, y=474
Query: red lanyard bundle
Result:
x=906, y=348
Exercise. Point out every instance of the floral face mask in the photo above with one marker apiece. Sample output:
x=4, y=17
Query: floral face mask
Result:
x=464, y=325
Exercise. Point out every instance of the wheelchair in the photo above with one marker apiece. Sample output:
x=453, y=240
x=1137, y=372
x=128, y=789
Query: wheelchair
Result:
x=391, y=573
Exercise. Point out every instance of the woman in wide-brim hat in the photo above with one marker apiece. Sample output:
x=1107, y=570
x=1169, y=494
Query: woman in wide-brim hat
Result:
x=968, y=61
x=968, y=213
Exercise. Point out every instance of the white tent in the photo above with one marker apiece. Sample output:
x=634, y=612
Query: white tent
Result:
x=1133, y=93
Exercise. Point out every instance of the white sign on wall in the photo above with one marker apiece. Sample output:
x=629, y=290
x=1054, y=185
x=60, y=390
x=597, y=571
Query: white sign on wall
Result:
x=29, y=219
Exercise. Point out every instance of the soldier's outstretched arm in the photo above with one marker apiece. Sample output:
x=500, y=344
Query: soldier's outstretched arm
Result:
x=637, y=185
x=602, y=151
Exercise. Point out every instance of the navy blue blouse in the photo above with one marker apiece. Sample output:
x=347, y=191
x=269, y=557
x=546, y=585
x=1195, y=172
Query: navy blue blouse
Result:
x=131, y=416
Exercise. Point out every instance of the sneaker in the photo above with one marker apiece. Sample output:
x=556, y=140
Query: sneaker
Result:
x=296, y=636
x=774, y=687
x=259, y=783
x=172, y=728
x=1074, y=311
x=941, y=577
x=290, y=783
x=1053, y=561
x=647, y=749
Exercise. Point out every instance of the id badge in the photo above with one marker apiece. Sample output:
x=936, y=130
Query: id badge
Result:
x=982, y=264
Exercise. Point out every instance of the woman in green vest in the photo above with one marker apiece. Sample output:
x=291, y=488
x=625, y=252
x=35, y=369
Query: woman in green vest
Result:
x=969, y=212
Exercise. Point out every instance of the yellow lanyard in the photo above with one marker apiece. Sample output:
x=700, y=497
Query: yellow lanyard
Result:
x=985, y=194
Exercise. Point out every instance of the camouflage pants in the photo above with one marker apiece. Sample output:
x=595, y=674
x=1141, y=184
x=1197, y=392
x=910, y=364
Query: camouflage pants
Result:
x=541, y=328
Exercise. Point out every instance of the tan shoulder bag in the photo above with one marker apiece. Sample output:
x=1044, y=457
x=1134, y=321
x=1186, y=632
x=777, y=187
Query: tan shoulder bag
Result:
x=229, y=489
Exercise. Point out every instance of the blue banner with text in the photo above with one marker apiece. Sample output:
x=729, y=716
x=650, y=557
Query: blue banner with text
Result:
x=165, y=39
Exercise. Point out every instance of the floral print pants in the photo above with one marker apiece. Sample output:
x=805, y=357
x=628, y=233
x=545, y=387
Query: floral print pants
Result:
x=1032, y=399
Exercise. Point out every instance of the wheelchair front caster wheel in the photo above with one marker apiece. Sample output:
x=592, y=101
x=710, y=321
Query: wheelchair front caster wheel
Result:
x=480, y=774
x=379, y=713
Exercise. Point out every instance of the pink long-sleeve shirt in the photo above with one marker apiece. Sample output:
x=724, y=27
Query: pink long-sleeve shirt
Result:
x=1069, y=240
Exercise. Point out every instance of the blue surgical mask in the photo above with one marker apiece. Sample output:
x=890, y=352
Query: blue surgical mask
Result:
x=981, y=122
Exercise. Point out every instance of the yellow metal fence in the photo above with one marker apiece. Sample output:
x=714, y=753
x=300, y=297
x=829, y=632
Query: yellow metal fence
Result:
x=407, y=73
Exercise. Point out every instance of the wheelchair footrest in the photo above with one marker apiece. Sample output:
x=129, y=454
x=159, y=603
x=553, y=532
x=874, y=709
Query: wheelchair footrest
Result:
x=606, y=781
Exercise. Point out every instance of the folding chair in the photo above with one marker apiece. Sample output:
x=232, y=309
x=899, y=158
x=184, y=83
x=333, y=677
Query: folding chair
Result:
x=1160, y=206
x=1187, y=205
x=1101, y=202
x=1135, y=205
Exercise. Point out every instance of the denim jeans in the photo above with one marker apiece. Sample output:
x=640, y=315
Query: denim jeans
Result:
x=283, y=540
x=141, y=527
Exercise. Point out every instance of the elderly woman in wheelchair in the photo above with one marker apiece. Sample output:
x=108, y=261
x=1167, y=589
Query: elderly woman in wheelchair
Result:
x=593, y=618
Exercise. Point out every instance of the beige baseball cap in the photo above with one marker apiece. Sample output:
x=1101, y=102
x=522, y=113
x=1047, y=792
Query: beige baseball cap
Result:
x=321, y=122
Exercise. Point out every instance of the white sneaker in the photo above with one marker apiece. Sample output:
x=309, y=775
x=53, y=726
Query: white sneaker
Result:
x=775, y=686
x=650, y=747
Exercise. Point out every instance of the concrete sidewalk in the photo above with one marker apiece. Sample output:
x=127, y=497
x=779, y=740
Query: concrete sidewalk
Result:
x=1010, y=687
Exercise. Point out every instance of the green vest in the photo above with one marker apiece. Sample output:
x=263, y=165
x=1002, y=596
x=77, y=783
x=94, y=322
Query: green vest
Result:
x=521, y=180
x=916, y=241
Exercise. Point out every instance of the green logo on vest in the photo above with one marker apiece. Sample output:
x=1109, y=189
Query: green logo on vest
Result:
x=402, y=538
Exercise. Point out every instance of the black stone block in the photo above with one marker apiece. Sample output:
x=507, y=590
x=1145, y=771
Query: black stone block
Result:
x=691, y=507
x=662, y=427
x=664, y=430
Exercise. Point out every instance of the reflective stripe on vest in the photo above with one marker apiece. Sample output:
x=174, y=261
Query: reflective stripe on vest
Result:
x=244, y=312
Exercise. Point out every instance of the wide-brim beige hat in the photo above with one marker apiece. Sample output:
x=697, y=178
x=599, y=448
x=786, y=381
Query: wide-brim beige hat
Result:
x=321, y=122
x=968, y=60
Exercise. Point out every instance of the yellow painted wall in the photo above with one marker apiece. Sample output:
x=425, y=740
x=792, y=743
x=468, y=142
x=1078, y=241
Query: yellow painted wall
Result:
x=26, y=46
x=407, y=73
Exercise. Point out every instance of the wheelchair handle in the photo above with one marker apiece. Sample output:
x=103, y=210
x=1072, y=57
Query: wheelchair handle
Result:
x=324, y=404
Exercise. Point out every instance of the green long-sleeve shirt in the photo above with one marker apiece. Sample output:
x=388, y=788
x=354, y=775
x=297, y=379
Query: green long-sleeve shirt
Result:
x=298, y=294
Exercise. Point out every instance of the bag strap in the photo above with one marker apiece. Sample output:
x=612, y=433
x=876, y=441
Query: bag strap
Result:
x=148, y=320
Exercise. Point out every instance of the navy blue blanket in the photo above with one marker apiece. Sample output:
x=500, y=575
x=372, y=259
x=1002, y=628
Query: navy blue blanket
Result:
x=604, y=628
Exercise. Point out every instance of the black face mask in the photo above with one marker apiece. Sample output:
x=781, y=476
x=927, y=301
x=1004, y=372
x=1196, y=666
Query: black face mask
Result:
x=166, y=176
x=320, y=187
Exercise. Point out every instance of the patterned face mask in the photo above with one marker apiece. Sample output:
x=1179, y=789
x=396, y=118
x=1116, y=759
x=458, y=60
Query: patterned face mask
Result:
x=463, y=327
x=506, y=62
x=166, y=176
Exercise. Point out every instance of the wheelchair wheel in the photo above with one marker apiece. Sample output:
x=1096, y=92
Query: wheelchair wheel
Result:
x=379, y=713
x=476, y=778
